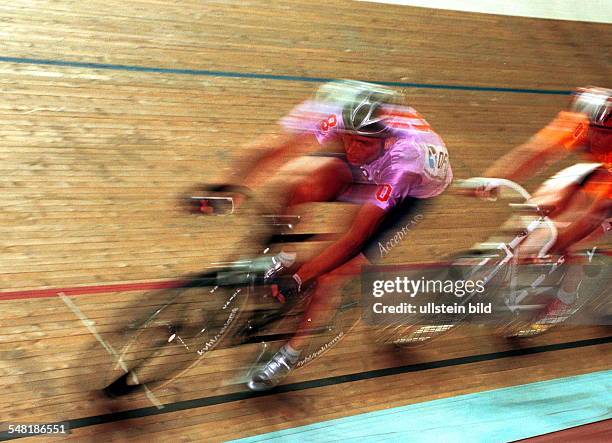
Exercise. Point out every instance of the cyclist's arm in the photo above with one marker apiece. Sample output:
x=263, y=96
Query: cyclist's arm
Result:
x=346, y=247
x=548, y=146
x=273, y=151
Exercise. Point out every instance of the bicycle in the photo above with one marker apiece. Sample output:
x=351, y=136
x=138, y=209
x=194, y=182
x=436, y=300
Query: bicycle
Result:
x=516, y=296
x=223, y=307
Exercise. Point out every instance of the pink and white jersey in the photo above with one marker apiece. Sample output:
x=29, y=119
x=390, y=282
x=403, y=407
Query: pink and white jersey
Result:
x=414, y=162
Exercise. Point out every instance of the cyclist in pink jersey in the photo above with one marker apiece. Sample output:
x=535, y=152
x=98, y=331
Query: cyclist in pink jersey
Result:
x=390, y=160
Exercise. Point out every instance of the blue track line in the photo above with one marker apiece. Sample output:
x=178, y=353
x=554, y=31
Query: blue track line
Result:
x=252, y=75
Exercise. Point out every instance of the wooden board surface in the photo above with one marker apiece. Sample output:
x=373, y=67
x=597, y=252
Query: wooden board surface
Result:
x=93, y=160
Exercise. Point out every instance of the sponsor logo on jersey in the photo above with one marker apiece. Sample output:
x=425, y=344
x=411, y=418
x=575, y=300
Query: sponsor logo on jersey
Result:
x=384, y=192
x=394, y=240
x=432, y=157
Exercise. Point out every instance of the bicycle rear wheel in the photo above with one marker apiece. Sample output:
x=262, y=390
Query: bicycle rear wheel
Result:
x=594, y=275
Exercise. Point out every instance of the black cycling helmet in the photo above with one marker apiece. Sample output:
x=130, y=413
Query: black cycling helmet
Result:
x=363, y=116
x=361, y=105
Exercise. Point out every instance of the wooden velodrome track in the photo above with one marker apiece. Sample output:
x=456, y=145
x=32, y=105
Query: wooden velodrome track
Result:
x=110, y=110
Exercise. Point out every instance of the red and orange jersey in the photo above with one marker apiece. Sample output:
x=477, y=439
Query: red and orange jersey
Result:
x=571, y=130
x=568, y=129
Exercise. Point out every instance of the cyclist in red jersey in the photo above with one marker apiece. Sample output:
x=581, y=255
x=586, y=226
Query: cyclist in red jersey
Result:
x=584, y=207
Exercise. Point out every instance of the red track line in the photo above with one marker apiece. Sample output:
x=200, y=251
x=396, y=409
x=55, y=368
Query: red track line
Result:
x=82, y=290
x=128, y=287
x=168, y=284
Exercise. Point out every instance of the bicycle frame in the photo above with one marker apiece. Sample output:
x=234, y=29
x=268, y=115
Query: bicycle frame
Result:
x=511, y=248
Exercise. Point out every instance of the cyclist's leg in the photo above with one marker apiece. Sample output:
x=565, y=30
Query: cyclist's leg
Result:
x=318, y=316
x=327, y=293
x=588, y=211
x=325, y=300
x=582, y=215
x=579, y=210
x=557, y=191
x=585, y=212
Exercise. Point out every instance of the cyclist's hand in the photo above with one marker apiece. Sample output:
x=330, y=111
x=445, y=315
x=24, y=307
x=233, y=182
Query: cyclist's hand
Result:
x=483, y=188
x=487, y=192
x=217, y=199
x=285, y=286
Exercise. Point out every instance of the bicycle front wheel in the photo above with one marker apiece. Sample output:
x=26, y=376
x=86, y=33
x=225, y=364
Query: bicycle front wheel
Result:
x=486, y=266
x=178, y=334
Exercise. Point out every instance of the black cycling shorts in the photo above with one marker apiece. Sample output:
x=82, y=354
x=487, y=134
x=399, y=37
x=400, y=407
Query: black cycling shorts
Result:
x=395, y=225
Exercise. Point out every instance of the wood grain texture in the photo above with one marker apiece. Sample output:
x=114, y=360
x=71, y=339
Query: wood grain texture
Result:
x=93, y=162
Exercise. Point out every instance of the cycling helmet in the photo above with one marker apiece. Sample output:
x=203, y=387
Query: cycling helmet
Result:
x=361, y=105
x=596, y=103
x=363, y=116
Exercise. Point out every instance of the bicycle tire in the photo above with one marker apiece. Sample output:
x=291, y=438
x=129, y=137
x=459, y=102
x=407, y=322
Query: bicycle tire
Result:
x=592, y=287
x=180, y=333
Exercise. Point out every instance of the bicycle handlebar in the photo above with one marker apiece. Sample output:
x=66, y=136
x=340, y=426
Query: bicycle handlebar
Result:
x=492, y=183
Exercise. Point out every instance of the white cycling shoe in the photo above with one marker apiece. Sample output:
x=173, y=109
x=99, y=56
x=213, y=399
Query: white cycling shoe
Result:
x=274, y=372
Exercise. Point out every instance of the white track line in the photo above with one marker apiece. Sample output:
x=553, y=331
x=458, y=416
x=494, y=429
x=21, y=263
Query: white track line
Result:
x=90, y=325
